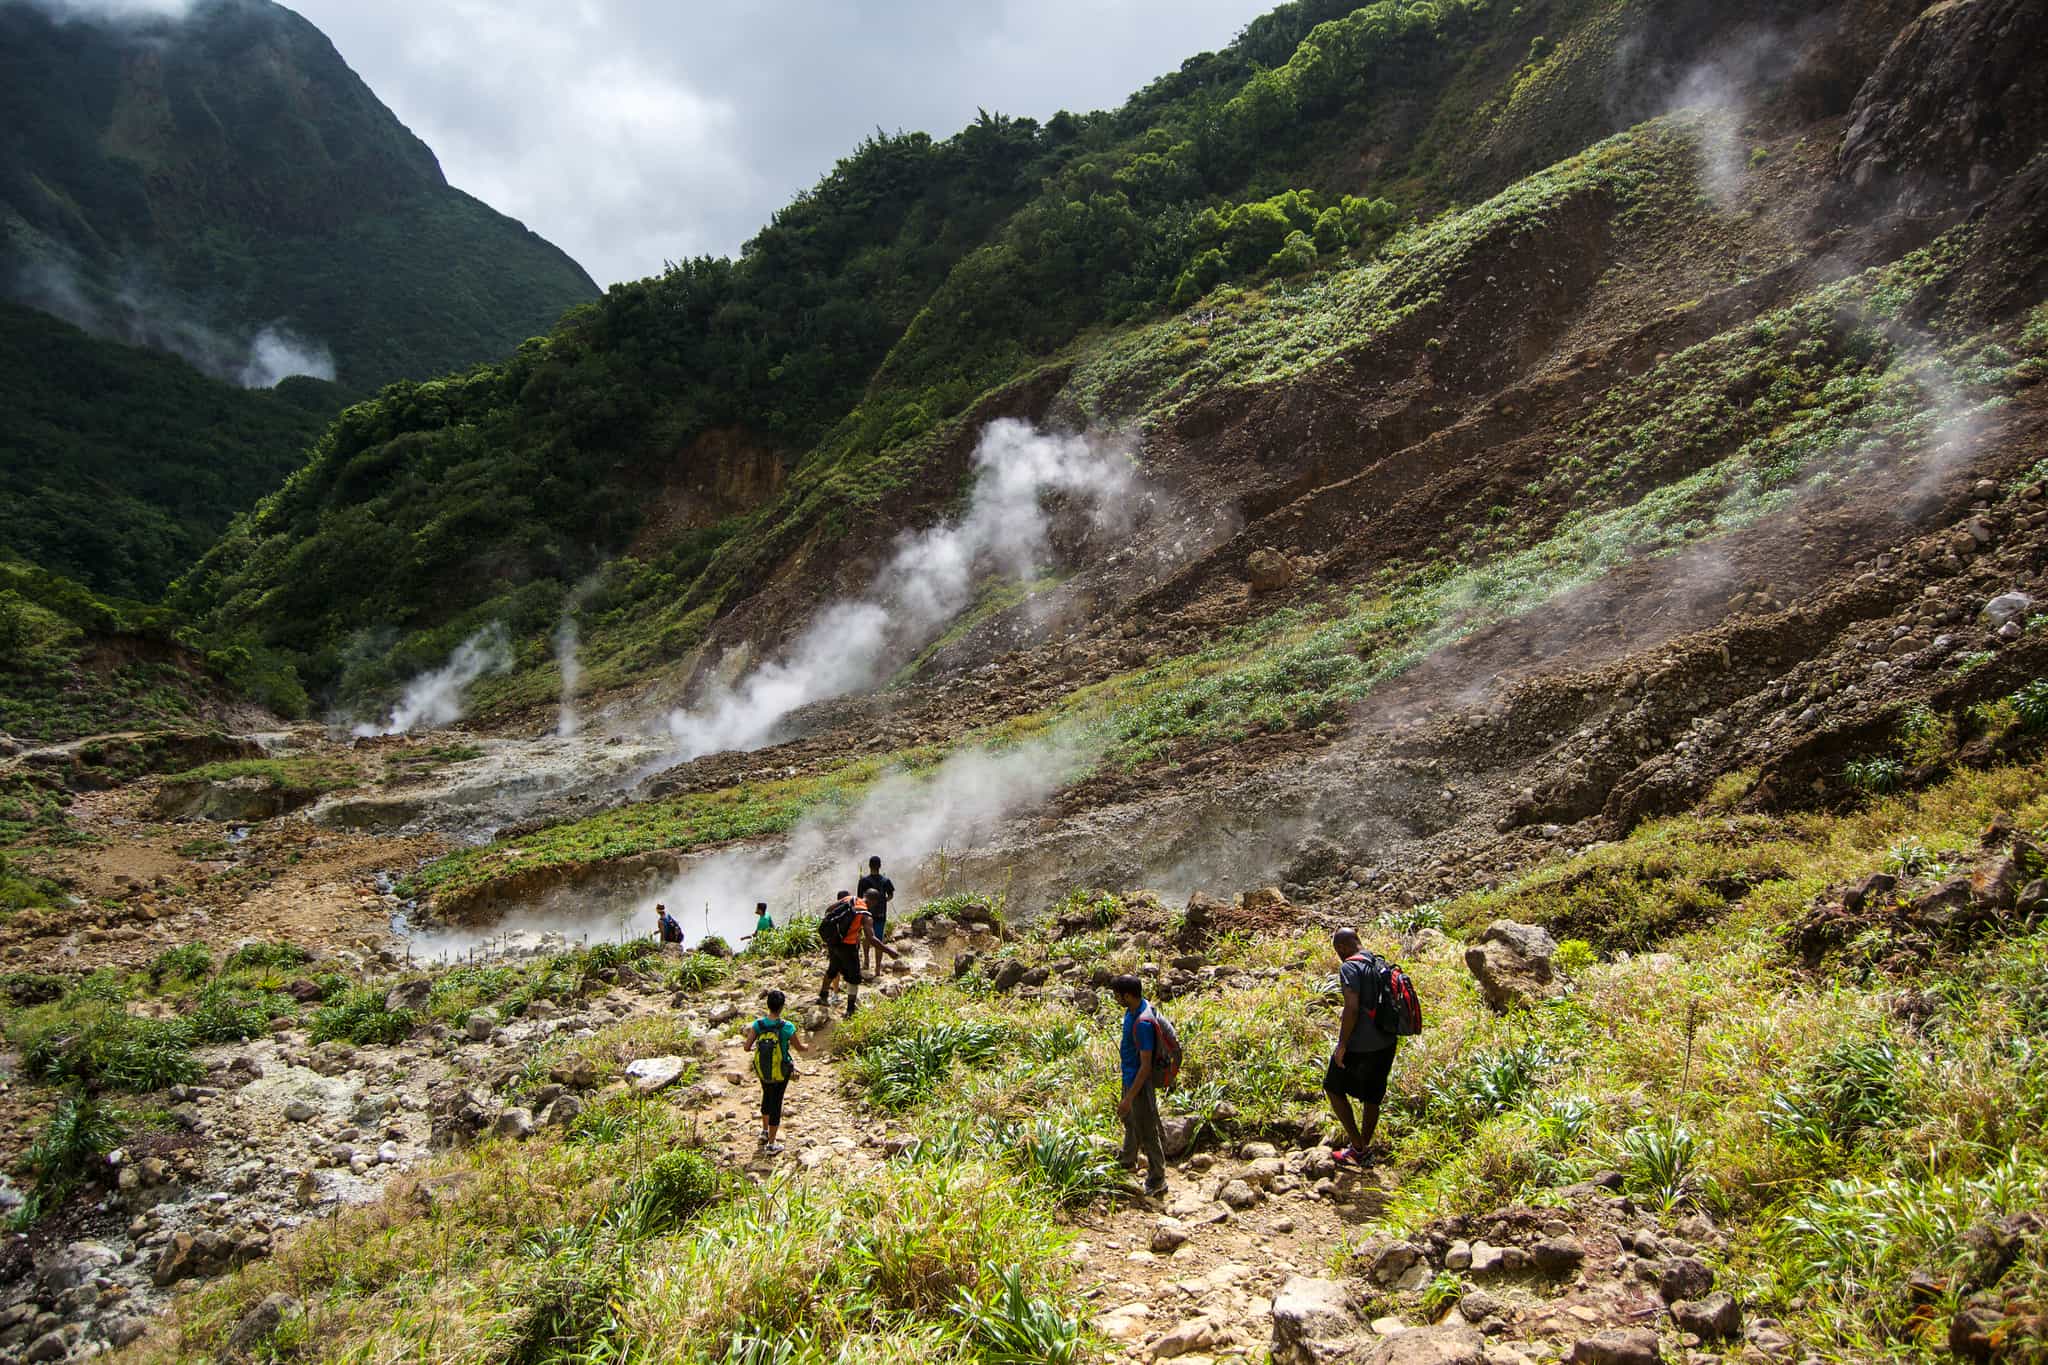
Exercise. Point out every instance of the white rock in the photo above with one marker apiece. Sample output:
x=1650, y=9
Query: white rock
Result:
x=649, y=1074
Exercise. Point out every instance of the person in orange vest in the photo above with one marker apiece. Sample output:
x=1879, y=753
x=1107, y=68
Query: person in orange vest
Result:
x=848, y=927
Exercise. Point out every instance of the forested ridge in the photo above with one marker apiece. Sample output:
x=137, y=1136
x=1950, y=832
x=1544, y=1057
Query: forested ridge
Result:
x=919, y=275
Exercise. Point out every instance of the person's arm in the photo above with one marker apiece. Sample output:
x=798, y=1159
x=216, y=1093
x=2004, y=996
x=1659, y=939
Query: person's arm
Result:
x=1138, y=1083
x=1344, y=1026
x=867, y=931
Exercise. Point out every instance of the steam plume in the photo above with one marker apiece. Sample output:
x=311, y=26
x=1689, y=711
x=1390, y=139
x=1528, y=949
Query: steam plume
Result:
x=435, y=699
x=906, y=819
x=140, y=314
x=567, y=722
x=928, y=580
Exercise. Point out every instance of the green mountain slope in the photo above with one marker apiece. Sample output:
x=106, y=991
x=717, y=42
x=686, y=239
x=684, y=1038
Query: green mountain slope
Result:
x=918, y=277
x=190, y=183
x=122, y=465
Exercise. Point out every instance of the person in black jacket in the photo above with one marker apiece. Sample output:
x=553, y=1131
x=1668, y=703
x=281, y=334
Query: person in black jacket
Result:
x=877, y=890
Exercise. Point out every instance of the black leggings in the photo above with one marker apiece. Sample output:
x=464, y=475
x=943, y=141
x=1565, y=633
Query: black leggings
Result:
x=771, y=1100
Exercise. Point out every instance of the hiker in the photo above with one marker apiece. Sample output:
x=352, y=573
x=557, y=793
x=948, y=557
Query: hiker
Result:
x=1139, y=1107
x=666, y=927
x=877, y=890
x=762, y=920
x=1363, y=1057
x=848, y=927
x=770, y=1036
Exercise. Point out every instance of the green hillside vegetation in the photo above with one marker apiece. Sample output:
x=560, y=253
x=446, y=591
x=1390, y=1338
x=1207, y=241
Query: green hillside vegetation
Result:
x=74, y=663
x=869, y=316
x=231, y=170
x=119, y=466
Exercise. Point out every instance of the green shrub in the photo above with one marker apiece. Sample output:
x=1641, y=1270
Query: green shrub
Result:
x=280, y=957
x=1911, y=858
x=797, y=938
x=671, y=1190
x=698, y=970
x=1850, y=1087
x=1011, y=1327
x=98, y=1044
x=176, y=966
x=903, y=1069
x=1409, y=919
x=359, y=1017
x=224, y=1014
x=1071, y=1165
x=1574, y=955
x=1660, y=1161
x=1874, y=776
x=1488, y=1084
x=78, y=1133
x=2030, y=704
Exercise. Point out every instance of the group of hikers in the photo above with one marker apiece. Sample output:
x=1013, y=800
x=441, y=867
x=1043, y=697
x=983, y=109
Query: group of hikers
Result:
x=1380, y=1007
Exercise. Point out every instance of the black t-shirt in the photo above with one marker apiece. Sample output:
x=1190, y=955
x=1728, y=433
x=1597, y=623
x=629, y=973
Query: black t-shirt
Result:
x=883, y=887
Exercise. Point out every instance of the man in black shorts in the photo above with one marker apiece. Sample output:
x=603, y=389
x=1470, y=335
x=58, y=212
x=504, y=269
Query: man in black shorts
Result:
x=1364, y=1056
x=877, y=890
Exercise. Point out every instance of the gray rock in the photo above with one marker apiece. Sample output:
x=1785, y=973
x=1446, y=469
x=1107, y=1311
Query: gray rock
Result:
x=564, y=1111
x=1176, y=1135
x=298, y=1111
x=409, y=995
x=76, y=1265
x=1312, y=1318
x=1169, y=1234
x=1488, y=1259
x=2008, y=606
x=259, y=1322
x=1558, y=1255
x=1446, y=1345
x=1717, y=1317
x=649, y=1074
x=480, y=1025
x=1393, y=1261
x=1512, y=963
x=1238, y=1195
x=1480, y=1304
x=515, y=1123
x=125, y=1330
x=1621, y=1346
x=48, y=1346
x=1685, y=1277
x=1009, y=975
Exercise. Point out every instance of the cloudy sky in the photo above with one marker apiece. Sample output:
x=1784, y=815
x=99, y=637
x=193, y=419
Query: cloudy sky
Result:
x=632, y=132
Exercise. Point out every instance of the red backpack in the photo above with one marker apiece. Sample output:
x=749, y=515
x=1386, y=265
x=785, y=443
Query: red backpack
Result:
x=1166, y=1053
x=1396, y=1010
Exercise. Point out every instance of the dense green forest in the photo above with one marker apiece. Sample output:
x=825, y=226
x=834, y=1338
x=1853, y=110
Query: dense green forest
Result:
x=227, y=172
x=119, y=466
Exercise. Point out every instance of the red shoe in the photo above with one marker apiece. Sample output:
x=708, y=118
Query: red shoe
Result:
x=1347, y=1156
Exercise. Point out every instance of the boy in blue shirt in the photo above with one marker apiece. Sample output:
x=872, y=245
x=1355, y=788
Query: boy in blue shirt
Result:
x=1139, y=1107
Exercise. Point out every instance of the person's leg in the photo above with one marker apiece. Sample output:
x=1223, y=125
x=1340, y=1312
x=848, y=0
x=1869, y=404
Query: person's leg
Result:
x=1379, y=1066
x=1128, y=1156
x=1146, y=1110
x=771, y=1113
x=1334, y=1081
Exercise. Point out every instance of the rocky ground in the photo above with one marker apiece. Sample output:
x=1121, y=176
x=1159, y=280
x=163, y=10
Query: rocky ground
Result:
x=1236, y=1260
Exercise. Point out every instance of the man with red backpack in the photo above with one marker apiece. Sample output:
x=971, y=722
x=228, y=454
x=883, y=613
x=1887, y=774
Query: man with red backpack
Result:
x=846, y=929
x=1151, y=1060
x=1379, y=1007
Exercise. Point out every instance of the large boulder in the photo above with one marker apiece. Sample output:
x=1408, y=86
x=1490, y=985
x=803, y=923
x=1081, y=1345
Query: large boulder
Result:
x=1617, y=1346
x=1312, y=1321
x=1946, y=117
x=1512, y=963
x=1430, y=1346
x=1269, y=571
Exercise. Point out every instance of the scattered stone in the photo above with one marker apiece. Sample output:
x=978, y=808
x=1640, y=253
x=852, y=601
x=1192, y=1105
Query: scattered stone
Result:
x=481, y=1024
x=1124, y=1324
x=1512, y=963
x=1238, y=1195
x=2006, y=607
x=1620, y=1346
x=1440, y=1345
x=1310, y=1316
x=1558, y=1255
x=515, y=1123
x=260, y=1322
x=76, y=1265
x=409, y=995
x=1685, y=1277
x=1168, y=1235
x=1197, y=1334
x=1488, y=1259
x=1717, y=1317
x=723, y=1012
x=1267, y=570
x=649, y=1074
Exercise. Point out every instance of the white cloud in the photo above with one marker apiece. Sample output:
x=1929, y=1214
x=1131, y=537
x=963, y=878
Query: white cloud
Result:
x=630, y=132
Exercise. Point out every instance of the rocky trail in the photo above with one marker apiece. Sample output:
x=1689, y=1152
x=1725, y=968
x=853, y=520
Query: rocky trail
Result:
x=1257, y=1247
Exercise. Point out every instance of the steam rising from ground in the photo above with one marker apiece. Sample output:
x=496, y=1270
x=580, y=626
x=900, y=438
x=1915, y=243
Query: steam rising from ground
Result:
x=114, y=10
x=139, y=314
x=914, y=822
x=567, y=723
x=435, y=699
x=929, y=579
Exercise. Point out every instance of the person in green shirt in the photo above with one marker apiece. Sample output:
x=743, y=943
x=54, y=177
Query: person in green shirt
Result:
x=762, y=920
x=771, y=1036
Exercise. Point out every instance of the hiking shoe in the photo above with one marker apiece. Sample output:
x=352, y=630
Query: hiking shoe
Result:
x=772, y=1148
x=1156, y=1191
x=1348, y=1156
